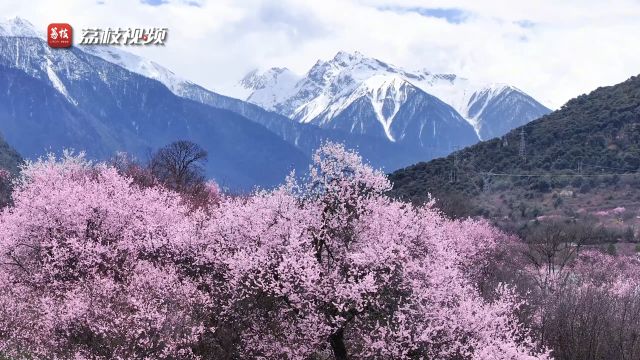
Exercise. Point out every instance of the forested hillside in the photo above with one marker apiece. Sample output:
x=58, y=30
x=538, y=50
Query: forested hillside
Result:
x=9, y=160
x=9, y=157
x=580, y=160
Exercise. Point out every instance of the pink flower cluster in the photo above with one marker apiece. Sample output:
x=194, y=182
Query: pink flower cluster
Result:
x=92, y=267
x=615, y=212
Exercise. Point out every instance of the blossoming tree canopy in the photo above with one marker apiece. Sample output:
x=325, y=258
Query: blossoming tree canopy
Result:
x=94, y=266
x=333, y=265
x=91, y=267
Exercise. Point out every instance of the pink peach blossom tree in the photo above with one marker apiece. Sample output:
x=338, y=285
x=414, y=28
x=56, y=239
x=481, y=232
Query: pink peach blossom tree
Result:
x=331, y=266
x=92, y=267
x=95, y=266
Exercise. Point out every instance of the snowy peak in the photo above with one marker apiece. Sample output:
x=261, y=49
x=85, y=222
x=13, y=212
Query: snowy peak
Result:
x=345, y=67
x=58, y=67
x=257, y=80
x=380, y=87
x=345, y=57
x=279, y=83
x=19, y=27
x=328, y=87
x=356, y=63
x=279, y=89
x=137, y=64
x=386, y=94
x=481, y=98
x=355, y=60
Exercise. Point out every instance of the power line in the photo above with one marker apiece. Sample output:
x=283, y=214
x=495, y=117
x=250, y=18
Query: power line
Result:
x=607, y=167
x=552, y=175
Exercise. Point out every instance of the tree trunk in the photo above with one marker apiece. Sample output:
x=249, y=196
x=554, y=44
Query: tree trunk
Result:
x=337, y=345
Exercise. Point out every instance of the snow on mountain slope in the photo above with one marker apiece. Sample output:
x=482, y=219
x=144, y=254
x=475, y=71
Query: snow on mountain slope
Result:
x=328, y=84
x=370, y=91
x=364, y=96
x=304, y=137
x=277, y=79
x=57, y=83
x=491, y=108
x=137, y=64
x=75, y=74
x=394, y=109
x=385, y=93
x=460, y=93
x=57, y=99
x=19, y=27
x=24, y=57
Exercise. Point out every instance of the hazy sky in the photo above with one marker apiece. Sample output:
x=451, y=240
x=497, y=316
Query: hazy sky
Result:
x=552, y=49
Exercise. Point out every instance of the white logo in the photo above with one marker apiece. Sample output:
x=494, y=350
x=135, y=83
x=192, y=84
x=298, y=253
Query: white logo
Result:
x=63, y=34
x=131, y=36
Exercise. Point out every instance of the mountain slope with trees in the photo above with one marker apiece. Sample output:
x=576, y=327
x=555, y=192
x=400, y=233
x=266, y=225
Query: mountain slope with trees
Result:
x=9, y=161
x=70, y=99
x=9, y=157
x=581, y=158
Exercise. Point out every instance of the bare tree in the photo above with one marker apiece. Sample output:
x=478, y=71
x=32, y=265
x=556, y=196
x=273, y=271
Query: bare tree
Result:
x=551, y=247
x=179, y=165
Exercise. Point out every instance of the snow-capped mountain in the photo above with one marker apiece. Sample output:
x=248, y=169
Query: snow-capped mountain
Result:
x=67, y=98
x=306, y=137
x=279, y=86
x=397, y=122
x=447, y=130
x=329, y=88
x=20, y=28
x=390, y=107
x=279, y=81
x=492, y=109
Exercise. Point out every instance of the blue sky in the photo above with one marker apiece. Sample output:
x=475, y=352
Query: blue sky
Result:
x=552, y=49
x=154, y=2
x=451, y=15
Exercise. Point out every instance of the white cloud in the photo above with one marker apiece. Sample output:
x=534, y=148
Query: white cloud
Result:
x=554, y=50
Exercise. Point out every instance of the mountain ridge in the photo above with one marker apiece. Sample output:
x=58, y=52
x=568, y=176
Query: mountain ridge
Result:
x=306, y=137
x=69, y=98
x=425, y=128
x=309, y=98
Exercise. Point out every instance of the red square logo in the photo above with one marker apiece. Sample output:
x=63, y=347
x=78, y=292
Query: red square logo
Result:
x=59, y=35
